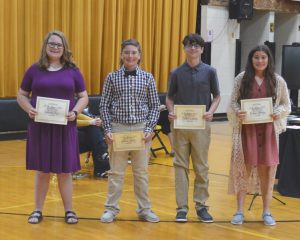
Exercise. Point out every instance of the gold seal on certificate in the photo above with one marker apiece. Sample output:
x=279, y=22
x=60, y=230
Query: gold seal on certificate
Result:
x=125, y=141
x=52, y=110
x=189, y=116
x=259, y=110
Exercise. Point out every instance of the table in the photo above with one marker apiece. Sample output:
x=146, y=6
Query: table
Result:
x=288, y=171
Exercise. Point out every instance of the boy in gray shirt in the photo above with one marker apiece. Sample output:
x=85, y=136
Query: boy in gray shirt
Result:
x=192, y=83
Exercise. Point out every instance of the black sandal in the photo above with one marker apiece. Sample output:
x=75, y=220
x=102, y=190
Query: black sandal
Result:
x=71, y=215
x=35, y=215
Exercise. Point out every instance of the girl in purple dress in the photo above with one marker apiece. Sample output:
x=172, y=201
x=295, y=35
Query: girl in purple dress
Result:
x=53, y=148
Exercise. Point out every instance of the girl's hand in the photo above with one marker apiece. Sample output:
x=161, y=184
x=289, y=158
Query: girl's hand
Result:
x=241, y=115
x=275, y=116
x=71, y=116
x=32, y=112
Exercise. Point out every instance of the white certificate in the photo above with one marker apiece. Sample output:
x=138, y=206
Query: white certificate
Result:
x=52, y=110
x=189, y=116
x=125, y=141
x=259, y=110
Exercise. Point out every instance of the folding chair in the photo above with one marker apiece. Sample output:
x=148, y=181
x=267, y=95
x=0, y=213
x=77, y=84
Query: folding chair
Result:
x=156, y=132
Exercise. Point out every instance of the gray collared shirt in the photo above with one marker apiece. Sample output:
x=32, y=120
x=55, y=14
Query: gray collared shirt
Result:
x=193, y=86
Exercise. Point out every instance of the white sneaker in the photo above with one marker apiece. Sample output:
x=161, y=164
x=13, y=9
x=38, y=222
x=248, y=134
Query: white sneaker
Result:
x=107, y=217
x=268, y=219
x=238, y=218
x=149, y=216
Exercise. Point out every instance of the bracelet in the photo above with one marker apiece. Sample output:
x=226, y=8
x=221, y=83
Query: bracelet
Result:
x=76, y=113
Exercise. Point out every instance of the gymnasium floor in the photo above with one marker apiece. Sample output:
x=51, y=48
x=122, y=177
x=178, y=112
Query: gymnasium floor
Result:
x=16, y=202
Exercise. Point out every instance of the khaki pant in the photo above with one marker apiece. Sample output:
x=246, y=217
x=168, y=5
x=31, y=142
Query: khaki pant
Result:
x=118, y=163
x=194, y=143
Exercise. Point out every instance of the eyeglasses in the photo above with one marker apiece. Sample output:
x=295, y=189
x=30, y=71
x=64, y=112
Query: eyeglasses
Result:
x=55, y=45
x=193, y=45
x=130, y=52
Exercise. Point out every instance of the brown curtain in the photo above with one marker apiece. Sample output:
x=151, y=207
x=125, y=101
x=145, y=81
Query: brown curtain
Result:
x=95, y=29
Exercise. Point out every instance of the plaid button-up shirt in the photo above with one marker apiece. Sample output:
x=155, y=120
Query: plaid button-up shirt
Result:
x=129, y=100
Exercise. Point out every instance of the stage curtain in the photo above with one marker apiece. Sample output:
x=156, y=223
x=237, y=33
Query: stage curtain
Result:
x=95, y=30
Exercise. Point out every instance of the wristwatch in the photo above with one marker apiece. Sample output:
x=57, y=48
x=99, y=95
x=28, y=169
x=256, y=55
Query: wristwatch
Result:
x=76, y=113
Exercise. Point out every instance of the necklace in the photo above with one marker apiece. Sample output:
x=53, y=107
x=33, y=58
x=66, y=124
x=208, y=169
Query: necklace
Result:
x=259, y=80
x=54, y=67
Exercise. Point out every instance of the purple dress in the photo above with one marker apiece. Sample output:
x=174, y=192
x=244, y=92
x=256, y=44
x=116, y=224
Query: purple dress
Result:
x=51, y=147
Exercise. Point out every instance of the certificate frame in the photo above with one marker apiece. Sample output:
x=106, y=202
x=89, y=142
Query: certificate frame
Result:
x=189, y=116
x=258, y=110
x=52, y=110
x=128, y=141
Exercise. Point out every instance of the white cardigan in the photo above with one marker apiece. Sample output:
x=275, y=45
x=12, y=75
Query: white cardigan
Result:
x=238, y=180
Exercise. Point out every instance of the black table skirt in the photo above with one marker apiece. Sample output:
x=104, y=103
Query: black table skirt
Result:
x=288, y=172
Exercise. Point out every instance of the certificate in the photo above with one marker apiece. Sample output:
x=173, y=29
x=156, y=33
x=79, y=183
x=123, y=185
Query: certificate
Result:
x=125, y=141
x=52, y=110
x=189, y=116
x=258, y=110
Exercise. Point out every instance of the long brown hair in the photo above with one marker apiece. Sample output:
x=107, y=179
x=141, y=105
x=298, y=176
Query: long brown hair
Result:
x=269, y=74
x=66, y=59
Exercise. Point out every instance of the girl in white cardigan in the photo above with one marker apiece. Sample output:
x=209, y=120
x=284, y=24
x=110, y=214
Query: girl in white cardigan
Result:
x=255, y=146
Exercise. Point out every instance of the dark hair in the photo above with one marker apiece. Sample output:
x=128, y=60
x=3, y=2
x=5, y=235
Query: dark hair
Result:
x=269, y=74
x=131, y=42
x=66, y=59
x=193, y=38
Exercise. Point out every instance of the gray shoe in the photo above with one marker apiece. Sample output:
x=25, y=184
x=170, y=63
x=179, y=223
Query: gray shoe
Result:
x=149, y=216
x=107, y=217
x=204, y=216
x=238, y=218
x=268, y=219
x=181, y=217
